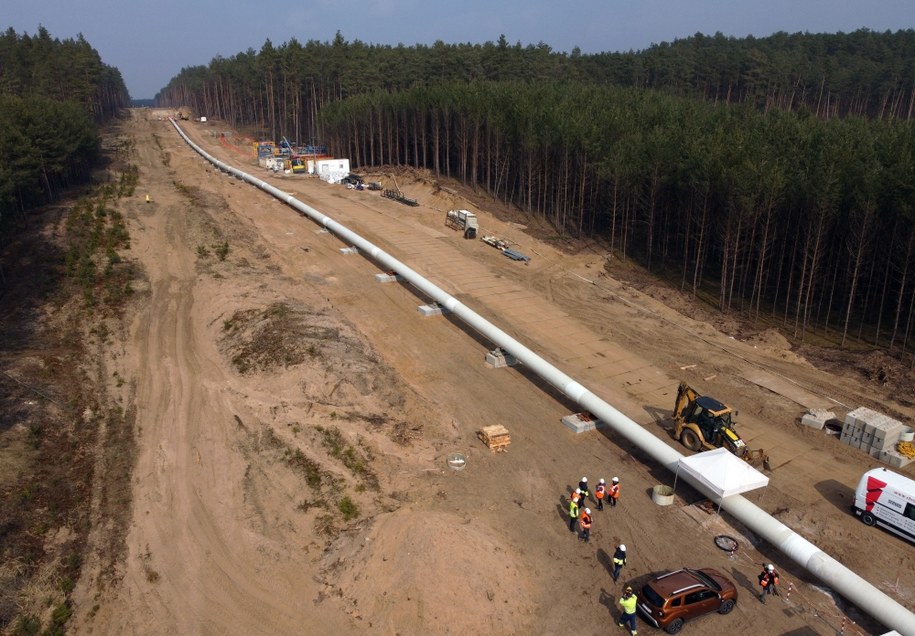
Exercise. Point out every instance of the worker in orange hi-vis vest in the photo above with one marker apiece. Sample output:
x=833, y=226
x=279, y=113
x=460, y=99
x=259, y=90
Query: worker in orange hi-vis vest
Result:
x=584, y=520
x=600, y=491
x=614, y=492
x=768, y=580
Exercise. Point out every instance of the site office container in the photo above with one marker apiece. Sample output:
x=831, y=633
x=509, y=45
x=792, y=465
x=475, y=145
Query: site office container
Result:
x=886, y=499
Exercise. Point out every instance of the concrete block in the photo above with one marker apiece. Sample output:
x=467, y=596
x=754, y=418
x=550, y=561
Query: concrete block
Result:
x=817, y=418
x=349, y=250
x=861, y=415
x=847, y=429
x=582, y=422
x=812, y=421
x=887, y=438
x=895, y=459
x=855, y=428
x=388, y=278
x=498, y=358
x=431, y=310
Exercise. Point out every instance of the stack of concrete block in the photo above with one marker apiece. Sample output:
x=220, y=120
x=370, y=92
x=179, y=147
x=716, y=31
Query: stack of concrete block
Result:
x=876, y=434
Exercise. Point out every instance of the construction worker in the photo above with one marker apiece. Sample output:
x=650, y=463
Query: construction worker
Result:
x=583, y=486
x=619, y=560
x=576, y=497
x=614, y=492
x=573, y=513
x=768, y=579
x=628, y=603
x=584, y=521
x=600, y=491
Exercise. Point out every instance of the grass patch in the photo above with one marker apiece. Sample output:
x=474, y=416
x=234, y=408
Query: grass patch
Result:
x=278, y=336
x=356, y=460
x=308, y=468
x=94, y=232
x=348, y=508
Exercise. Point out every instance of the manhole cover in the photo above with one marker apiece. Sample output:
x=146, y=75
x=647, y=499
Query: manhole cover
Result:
x=726, y=543
x=457, y=461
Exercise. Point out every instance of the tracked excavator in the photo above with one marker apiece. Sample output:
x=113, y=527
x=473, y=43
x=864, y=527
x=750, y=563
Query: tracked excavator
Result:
x=703, y=423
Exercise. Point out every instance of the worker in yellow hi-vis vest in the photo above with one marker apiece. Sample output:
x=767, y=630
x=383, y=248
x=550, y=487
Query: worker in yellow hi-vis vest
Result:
x=628, y=603
x=573, y=514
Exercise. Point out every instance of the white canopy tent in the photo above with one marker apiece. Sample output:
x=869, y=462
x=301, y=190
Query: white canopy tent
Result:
x=722, y=472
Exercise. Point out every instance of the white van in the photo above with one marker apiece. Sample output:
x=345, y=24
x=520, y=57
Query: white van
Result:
x=886, y=499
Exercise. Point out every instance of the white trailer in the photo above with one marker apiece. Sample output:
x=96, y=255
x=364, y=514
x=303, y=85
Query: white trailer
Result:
x=331, y=170
x=463, y=220
x=886, y=499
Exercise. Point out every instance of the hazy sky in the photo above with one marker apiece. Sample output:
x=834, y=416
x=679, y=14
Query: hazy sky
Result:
x=150, y=41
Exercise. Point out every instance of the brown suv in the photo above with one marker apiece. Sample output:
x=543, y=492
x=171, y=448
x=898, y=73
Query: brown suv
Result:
x=670, y=599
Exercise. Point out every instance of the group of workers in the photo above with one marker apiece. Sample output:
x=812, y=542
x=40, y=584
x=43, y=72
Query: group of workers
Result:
x=580, y=515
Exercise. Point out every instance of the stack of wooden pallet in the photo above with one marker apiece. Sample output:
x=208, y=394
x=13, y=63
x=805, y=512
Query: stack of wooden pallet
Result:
x=495, y=437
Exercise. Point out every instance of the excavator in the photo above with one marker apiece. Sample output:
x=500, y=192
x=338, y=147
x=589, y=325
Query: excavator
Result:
x=703, y=423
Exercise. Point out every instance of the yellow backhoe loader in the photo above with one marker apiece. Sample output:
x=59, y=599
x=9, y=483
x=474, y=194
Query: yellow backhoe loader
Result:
x=703, y=423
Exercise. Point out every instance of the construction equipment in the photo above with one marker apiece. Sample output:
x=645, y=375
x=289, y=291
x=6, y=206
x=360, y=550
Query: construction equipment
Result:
x=703, y=423
x=463, y=220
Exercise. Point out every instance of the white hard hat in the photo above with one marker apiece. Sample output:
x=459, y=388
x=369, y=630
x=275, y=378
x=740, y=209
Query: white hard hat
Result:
x=588, y=510
x=615, y=479
x=602, y=480
x=578, y=491
x=623, y=547
x=584, y=479
x=770, y=567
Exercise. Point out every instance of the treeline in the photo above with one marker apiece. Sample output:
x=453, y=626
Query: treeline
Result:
x=52, y=95
x=61, y=70
x=282, y=89
x=861, y=73
x=808, y=220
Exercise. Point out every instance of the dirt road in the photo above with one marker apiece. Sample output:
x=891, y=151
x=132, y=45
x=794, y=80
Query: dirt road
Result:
x=310, y=494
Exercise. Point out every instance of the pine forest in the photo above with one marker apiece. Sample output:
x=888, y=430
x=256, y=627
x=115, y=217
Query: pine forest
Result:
x=768, y=176
x=53, y=95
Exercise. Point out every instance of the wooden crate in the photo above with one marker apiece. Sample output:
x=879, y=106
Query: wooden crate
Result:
x=495, y=437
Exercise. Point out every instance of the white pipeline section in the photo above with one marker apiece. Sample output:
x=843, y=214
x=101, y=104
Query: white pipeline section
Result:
x=831, y=572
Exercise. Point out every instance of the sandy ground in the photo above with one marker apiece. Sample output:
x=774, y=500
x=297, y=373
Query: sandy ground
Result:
x=228, y=537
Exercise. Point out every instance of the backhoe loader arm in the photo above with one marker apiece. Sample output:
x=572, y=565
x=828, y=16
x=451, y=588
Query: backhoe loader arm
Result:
x=685, y=395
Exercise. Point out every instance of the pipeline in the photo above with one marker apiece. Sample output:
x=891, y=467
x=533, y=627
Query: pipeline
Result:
x=838, y=577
